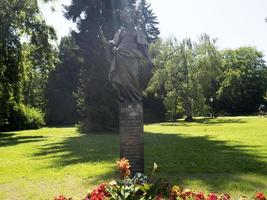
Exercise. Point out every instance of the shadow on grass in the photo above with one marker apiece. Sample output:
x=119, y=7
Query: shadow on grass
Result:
x=179, y=157
x=205, y=121
x=214, y=163
x=92, y=149
x=218, y=121
x=10, y=139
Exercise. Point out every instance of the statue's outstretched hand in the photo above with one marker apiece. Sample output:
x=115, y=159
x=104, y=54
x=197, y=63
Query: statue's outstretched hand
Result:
x=103, y=38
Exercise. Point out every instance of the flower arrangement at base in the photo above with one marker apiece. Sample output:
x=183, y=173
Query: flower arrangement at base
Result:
x=140, y=188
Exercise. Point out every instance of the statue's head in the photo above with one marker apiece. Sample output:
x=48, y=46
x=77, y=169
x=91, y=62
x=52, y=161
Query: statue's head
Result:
x=127, y=17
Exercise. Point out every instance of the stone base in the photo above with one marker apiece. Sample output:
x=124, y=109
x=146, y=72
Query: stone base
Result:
x=131, y=135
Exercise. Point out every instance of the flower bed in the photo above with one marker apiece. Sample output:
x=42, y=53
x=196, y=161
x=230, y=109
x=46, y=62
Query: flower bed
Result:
x=140, y=188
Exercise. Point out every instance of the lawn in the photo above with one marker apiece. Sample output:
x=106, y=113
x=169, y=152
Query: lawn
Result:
x=219, y=155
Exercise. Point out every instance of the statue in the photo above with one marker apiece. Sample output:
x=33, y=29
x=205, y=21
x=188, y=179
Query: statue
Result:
x=124, y=52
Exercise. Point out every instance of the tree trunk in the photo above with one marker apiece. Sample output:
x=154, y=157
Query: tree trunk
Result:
x=188, y=109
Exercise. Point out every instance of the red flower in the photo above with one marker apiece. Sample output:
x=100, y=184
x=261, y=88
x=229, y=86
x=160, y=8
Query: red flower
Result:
x=159, y=197
x=100, y=193
x=226, y=196
x=212, y=196
x=260, y=196
x=199, y=196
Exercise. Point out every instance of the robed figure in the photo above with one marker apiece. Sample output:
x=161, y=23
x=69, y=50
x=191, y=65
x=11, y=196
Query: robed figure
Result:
x=124, y=53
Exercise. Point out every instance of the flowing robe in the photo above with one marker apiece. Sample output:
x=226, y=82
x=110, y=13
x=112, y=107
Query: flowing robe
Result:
x=124, y=58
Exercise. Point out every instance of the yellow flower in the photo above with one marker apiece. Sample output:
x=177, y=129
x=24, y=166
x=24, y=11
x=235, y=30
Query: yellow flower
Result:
x=112, y=183
x=187, y=190
x=176, y=189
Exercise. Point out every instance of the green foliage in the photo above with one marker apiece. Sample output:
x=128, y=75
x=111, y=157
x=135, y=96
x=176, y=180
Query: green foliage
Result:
x=147, y=21
x=244, y=81
x=180, y=72
x=62, y=85
x=198, y=78
x=138, y=188
x=23, y=117
x=38, y=64
x=24, y=66
x=185, y=75
x=159, y=52
x=154, y=109
x=208, y=69
x=129, y=188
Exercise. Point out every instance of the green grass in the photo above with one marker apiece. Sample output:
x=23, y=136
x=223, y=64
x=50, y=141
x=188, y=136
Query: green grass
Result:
x=219, y=155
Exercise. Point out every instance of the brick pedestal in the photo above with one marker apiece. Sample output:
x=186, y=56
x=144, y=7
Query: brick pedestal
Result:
x=131, y=135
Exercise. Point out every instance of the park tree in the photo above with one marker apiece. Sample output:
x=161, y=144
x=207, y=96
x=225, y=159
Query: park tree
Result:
x=180, y=84
x=185, y=75
x=147, y=21
x=208, y=69
x=172, y=77
x=26, y=53
x=156, y=87
x=96, y=99
x=243, y=82
x=39, y=61
x=62, y=85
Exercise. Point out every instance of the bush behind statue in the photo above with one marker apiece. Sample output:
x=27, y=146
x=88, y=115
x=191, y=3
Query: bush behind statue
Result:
x=23, y=117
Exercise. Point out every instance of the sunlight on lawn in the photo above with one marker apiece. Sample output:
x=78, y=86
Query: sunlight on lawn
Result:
x=222, y=155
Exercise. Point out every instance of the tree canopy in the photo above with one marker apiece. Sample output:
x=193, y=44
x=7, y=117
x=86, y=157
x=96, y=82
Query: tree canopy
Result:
x=243, y=82
x=26, y=57
x=195, y=78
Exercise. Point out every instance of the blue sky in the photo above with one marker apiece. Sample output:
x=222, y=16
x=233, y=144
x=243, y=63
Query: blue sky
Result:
x=234, y=22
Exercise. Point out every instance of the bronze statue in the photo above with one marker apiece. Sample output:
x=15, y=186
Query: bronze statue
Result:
x=124, y=53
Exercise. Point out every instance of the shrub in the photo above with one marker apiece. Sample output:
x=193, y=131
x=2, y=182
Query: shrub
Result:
x=23, y=117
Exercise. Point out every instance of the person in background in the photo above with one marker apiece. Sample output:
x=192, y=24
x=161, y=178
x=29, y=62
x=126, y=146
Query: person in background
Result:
x=262, y=109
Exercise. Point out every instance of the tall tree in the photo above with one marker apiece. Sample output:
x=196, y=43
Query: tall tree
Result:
x=244, y=81
x=147, y=21
x=96, y=97
x=63, y=83
x=173, y=76
x=21, y=20
x=186, y=75
x=39, y=61
x=181, y=76
x=208, y=69
x=160, y=52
